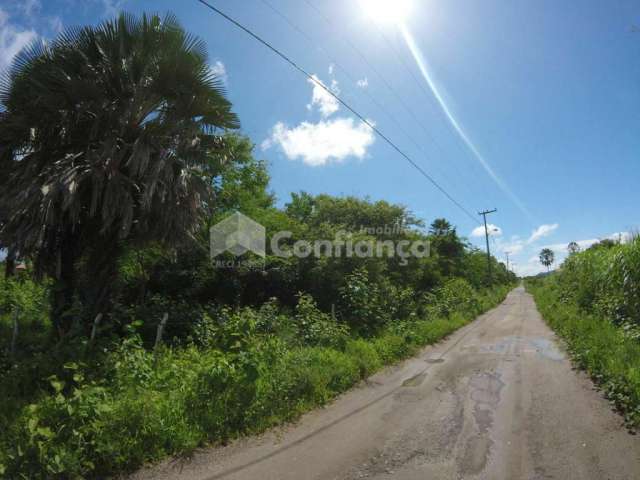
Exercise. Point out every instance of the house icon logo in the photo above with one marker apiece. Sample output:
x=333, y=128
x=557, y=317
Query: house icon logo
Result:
x=237, y=234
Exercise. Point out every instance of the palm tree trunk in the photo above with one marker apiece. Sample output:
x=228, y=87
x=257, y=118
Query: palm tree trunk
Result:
x=10, y=264
x=65, y=286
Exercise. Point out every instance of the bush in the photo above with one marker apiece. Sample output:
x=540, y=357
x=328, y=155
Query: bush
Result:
x=316, y=327
x=362, y=303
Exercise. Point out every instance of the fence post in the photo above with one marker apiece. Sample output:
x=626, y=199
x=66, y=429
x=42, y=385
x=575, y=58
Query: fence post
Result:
x=161, y=325
x=94, y=329
x=14, y=337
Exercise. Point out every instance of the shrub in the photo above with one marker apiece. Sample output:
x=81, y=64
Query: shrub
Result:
x=362, y=303
x=316, y=327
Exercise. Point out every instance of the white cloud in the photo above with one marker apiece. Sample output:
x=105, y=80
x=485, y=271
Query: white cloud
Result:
x=542, y=231
x=514, y=246
x=326, y=103
x=363, y=82
x=331, y=67
x=493, y=230
x=531, y=267
x=622, y=237
x=324, y=142
x=12, y=40
x=219, y=71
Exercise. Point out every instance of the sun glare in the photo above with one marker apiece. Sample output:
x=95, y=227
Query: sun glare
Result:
x=387, y=11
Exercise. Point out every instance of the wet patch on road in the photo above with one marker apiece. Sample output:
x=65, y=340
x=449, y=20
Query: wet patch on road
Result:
x=517, y=345
x=547, y=349
x=484, y=389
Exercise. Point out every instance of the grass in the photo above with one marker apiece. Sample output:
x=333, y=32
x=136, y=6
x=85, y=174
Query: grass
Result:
x=607, y=352
x=144, y=406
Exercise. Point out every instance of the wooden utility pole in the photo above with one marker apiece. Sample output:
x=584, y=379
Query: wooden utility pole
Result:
x=486, y=236
x=507, y=254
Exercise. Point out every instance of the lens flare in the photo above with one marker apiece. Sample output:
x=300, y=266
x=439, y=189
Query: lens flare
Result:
x=422, y=66
x=385, y=11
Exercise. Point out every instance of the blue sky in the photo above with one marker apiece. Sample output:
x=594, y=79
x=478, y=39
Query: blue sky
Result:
x=546, y=94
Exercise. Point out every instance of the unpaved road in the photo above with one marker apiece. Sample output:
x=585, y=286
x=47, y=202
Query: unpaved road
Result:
x=496, y=400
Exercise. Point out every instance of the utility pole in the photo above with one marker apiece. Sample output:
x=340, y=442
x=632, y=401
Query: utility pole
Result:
x=486, y=236
x=507, y=254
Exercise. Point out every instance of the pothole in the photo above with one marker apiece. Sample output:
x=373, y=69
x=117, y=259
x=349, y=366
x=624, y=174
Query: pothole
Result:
x=415, y=380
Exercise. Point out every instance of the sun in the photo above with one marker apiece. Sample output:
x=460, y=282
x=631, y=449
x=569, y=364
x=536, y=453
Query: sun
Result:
x=387, y=11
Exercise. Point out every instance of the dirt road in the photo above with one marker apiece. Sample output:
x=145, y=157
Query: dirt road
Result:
x=496, y=400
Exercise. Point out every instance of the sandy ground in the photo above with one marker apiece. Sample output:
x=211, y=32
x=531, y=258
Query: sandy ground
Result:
x=496, y=400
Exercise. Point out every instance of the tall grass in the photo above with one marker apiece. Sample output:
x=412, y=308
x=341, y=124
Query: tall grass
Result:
x=593, y=303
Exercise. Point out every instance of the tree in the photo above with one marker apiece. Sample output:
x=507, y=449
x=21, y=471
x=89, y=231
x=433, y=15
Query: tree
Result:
x=440, y=227
x=547, y=257
x=446, y=243
x=301, y=206
x=108, y=135
x=573, y=247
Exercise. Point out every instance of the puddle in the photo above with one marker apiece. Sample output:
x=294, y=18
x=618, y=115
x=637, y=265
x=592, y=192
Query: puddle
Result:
x=517, y=345
x=547, y=349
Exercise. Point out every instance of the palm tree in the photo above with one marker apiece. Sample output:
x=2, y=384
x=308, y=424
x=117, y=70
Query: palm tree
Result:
x=440, y=227
x=547, y=257
x=110, y=134
x=573, y=247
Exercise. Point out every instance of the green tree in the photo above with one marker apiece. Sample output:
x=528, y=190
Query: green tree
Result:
x=301, y=206
x=447, y=245
x=243, y=181
x=547, y=257
x=108, y=135
x=573, y=247
x=440, y=227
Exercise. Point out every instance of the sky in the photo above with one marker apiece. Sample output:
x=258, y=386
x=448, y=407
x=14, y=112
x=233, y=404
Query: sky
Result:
x=528, y=107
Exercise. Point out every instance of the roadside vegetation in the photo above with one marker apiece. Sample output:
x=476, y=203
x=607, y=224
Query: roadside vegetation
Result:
x=113, y=176
x=593, y=302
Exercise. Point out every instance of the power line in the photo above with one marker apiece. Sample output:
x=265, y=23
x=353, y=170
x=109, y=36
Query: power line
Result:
x=371, y=67
x=369, y=96
x=342, y=102
x=427, y=94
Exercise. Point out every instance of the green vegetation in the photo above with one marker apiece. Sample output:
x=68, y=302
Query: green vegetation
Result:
x=547, y=257
x=114, y=175
x=593, y=302
x=117, y=147
x=241, y=372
